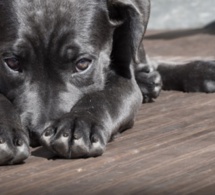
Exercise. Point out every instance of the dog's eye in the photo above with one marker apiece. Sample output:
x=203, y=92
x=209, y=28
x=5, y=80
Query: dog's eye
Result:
x=13, y=63
x=83, y=64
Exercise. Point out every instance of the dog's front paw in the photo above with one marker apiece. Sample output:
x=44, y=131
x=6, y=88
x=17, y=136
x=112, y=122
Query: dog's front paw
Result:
x=150, y=83
x=14, y=145
x=75, y=137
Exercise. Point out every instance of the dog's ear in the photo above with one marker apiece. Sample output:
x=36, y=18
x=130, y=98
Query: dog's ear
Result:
x=7, y=21
x=132, y=18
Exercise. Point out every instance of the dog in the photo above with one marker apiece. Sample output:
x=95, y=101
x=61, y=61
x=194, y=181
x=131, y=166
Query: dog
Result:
x=73, y=74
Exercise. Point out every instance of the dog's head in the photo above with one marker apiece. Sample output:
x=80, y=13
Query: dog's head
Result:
x=53, y=52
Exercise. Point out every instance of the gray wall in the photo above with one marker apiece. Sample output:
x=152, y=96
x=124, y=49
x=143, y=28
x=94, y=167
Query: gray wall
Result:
x=181, y=14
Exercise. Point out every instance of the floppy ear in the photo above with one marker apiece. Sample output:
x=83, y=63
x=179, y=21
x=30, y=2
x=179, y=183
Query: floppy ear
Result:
x=7, y=21
x=132, y=17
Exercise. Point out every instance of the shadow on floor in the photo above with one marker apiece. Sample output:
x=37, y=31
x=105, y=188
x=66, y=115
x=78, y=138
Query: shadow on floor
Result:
x=43, y=153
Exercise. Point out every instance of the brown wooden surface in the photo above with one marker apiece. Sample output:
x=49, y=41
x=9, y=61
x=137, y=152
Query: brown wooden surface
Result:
x=170, y=150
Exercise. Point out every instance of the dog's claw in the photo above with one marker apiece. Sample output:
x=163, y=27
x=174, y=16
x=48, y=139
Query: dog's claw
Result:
x=49, y=132
x=66, y=134
x=94, y=138
x=2, y=141
x=77, y=136
x=19, y=142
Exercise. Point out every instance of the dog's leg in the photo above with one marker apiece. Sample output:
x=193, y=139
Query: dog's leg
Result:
x=14, y=142
x=127, y=43
x=148, y=78
x=85, y=131
x=193, y=76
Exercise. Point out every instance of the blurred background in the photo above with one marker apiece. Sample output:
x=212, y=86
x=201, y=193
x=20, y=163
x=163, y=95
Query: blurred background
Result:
x=181, y=28
x=181, y=14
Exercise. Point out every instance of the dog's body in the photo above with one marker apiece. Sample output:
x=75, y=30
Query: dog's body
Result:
x=73, y=73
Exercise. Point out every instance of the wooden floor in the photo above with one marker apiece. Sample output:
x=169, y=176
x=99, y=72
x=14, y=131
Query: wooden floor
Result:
x=170, y=150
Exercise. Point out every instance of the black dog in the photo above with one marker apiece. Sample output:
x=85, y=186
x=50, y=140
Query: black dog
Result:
x=73, y=73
